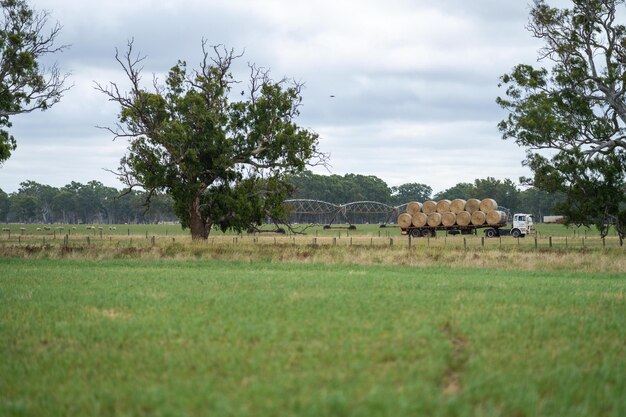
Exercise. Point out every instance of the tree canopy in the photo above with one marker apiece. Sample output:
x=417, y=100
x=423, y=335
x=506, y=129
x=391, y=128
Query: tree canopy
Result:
x=222, y=156
x=25, y=84
x=571, y=115
x=77, y=203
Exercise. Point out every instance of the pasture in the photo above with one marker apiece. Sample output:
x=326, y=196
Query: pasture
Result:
x=335, y=322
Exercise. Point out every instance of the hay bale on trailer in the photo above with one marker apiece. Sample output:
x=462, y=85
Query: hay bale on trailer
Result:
x=434, y=219
x=487, y=205
x=404, y=220
x=443, y=206
x=478, y=218
x=413, y=207
x=496, y=218
x=457, y=205
x=472, y=205
x=420, y=219
x=448, y=219
x=429, y=207
x=463, y=218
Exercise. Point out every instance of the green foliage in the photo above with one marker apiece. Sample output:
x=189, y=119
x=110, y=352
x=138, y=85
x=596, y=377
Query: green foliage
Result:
x=223, y=161
x=81, y=203
x=505, y=192
x=414, y=191
x=25, y=85
x=4, y=206
x=338, y=189
x=576, y=110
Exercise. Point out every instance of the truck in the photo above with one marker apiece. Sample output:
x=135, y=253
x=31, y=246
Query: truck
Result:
x=522, y=225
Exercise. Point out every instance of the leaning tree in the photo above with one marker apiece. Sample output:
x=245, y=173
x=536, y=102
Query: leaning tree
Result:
x=222, y=155
x=26, y=84
x=571, y=116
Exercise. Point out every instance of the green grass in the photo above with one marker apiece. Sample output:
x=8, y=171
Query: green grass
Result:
x=557, y=230
x=218, y=338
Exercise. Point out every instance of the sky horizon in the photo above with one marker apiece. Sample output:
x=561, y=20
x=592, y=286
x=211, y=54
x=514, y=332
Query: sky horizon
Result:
x=403, y=91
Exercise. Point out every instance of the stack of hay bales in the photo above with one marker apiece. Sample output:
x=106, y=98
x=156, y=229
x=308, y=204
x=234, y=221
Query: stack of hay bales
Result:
x=448, y=213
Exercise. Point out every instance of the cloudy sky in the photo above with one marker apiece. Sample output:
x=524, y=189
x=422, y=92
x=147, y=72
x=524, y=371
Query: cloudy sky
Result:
x=414, y=81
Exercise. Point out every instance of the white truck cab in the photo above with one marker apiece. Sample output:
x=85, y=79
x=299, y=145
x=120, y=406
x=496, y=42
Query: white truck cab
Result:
x=522, y=225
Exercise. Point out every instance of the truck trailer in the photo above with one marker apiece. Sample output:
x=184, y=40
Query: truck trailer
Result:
x=463, y=217
x=522, y=225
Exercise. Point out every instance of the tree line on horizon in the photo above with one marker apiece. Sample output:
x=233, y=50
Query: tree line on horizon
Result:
x=95, y=203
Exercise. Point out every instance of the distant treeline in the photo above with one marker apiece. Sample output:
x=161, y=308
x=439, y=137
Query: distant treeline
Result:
x=95, y=203
x=81, y=203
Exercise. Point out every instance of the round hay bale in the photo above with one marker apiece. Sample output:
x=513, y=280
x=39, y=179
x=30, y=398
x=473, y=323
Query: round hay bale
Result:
x=448, y=219
x=472, y=205
x=443, y=206
x=434, y=219
x=413, y=207
x=487, y=205
x=496, y=217
x=478, y=218
x=429, y=207
x=420, y=219
x=457, y=205
x=404, y=220
x=463, y=218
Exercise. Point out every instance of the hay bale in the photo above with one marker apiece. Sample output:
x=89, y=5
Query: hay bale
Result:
x=443, y=206
x=413, y=207
x=463, y=218
x=404, y=220
x=457, y=205
x=429, y=207
x=478, y=218
x=472, y=205
x=434, y=219
x=448, y=219
x=487, y=205
x=496, y=218
x=420, y=219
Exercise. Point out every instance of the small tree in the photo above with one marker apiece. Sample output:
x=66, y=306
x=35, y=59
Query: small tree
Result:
x=25, y=85
x=223, y=161
x=576, y=110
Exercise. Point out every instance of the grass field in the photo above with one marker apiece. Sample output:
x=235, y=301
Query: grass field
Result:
x=556, y=230
x=260, y=337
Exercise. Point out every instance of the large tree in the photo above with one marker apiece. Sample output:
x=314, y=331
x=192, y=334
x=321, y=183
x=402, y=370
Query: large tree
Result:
x=222, y=155
x=26, y=84
x=575, y=109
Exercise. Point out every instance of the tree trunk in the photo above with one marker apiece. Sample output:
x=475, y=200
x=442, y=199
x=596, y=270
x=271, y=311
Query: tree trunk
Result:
x=196, y=223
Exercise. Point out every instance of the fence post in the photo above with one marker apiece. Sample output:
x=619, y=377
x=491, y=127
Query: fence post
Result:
x=536, y=245
x=550, y=240
x=482, y=241
x=410, y=242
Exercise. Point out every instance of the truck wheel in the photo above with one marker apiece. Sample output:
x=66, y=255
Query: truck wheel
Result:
x=516, y=233
x=428, y=233
x=491, y=233
x=415, y=233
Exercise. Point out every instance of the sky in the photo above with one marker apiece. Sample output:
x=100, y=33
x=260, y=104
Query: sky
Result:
x=414, y=81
